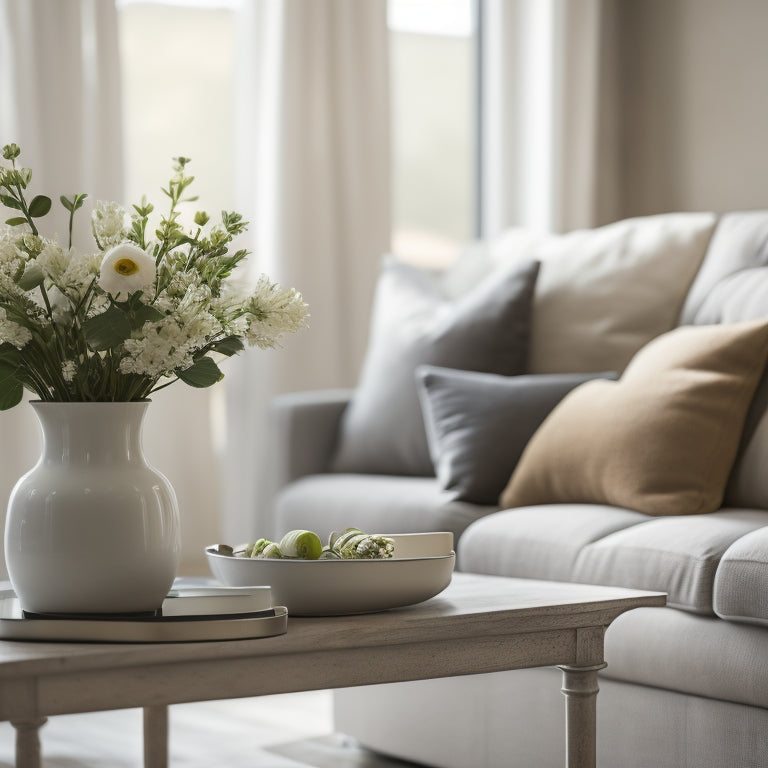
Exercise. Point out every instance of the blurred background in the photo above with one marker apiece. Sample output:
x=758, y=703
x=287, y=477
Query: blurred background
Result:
x=346, y=129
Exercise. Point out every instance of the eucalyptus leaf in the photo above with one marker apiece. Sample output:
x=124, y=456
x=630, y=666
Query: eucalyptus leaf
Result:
x=203, y=373
x=31, y=277
x=11, y=389
x=145, y=314
x=39, y=206
x=68, y=204
x=232, y=345
x=107, y=330
x=10, y=202
x=15, y=221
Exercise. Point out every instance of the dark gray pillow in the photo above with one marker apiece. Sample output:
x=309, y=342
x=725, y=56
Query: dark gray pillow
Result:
x=478, y=424
x=382, y=430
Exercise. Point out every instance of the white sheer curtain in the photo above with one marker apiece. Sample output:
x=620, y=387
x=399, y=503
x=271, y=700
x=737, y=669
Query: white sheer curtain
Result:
x=549, y=133
x=60, y=101
x=315, y=165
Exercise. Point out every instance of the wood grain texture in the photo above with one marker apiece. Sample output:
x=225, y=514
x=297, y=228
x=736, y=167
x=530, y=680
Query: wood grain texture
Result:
x=479, y=624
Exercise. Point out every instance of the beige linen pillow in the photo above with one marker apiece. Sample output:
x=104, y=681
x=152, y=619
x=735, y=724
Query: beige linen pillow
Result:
x=662, y=439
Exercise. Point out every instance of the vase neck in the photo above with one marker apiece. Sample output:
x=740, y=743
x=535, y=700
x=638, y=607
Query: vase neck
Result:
x=91, y=433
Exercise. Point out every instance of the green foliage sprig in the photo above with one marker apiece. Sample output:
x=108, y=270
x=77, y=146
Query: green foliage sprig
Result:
x=136, y=314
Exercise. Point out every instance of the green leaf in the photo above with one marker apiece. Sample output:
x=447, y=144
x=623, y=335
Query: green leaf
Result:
x=16, y=220
x=79, y=200
x=9, y=355
x=11, y=389
x=10, y=202
x=203, y=373
x=107, y=330
x=31, y=277
x=145, y=314
x=229, y=346
x=68, y=204
x=39, y=206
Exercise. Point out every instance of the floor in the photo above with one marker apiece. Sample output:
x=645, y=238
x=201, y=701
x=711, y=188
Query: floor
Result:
x=287, y=731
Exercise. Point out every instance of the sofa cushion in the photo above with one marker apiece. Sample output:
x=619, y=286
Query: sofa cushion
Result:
x=661, y=440
x=382, y=430
x=741, y=581
x=699, y=655
x=479, y=423
x=376, y=503
x=539, y=542
x=676, y=555
x=739, y=242
x=742, y=296
x=623, y=284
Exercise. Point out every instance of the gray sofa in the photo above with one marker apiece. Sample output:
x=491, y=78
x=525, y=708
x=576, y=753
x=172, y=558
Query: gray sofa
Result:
x=685, y=685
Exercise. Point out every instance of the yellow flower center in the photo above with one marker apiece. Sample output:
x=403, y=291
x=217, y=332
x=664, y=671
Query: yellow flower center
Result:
x=126, y=267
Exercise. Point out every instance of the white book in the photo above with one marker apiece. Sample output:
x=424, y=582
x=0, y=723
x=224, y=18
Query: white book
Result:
x=216, y=601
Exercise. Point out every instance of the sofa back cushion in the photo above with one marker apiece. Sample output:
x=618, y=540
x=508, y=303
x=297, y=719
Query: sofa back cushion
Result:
x=739, y=242
x=414, y=323
x=662, y=440
x=740, y=296
x=601, y=293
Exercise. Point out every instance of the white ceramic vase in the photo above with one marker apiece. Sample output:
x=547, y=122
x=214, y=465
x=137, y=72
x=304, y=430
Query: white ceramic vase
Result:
x=92, y=528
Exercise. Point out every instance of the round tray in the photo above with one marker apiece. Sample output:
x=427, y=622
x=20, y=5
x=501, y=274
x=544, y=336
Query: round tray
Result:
x=16, y=625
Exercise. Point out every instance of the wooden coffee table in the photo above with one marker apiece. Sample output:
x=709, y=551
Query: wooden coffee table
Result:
x=478, y=624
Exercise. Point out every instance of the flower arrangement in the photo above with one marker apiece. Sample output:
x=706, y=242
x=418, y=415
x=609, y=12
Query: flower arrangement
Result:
x=135, y=314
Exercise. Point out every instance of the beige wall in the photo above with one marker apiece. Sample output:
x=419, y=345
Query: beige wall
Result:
x=693, y=104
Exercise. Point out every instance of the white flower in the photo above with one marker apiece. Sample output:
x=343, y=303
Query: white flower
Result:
x=126, y=269
x=273, y=311
x=10, y=256
x=108, y=224
x=13, y=333
x=68, y=370
x=53, y=260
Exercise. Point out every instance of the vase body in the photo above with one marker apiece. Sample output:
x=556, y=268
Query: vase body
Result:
x=92, y=528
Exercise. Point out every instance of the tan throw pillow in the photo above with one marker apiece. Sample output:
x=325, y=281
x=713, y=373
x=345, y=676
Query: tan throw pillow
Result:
x=662, y=439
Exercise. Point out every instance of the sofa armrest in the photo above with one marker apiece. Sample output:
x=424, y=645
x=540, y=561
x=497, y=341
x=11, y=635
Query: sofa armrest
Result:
x=305, y=425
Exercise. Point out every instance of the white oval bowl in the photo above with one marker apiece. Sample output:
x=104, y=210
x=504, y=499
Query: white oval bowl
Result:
x=422, y=568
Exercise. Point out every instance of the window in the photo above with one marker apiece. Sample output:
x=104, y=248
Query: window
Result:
x=178, y=66
x=433, y=51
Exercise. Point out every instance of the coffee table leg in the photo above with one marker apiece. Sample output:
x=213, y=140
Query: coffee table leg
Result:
x=28, y=742
x=156, y=737
x=580, y=689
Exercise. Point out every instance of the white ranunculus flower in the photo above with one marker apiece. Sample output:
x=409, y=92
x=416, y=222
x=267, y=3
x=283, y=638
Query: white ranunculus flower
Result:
x=126, y=269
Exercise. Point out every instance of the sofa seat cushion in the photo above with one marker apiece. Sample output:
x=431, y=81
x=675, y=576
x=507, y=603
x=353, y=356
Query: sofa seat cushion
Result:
x=697, y=655
x=539, y=542
x=676, y=555
x=741, y=581
x=374, y=503
x=596, y=544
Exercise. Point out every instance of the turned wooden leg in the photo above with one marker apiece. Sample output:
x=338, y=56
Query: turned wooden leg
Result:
x=156, y=737
x=28, y=742
x=580, y=689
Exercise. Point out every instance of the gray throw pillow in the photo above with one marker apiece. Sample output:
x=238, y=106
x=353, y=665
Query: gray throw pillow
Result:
x=478, y=424
x=487, y=329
